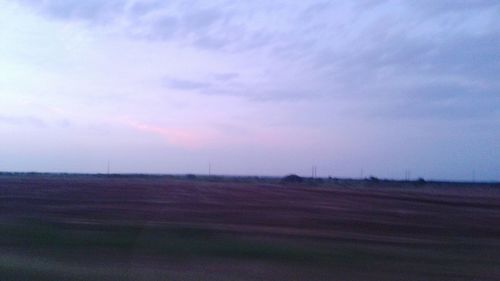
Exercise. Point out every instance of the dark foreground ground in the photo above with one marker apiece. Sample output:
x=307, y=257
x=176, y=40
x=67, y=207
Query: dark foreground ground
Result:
x=169, y=228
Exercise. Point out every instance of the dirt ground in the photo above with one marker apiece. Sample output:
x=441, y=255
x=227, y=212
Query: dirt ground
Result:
x=78, y=227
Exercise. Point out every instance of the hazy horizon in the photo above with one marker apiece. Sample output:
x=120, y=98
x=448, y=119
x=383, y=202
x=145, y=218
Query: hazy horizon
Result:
x=255, y=88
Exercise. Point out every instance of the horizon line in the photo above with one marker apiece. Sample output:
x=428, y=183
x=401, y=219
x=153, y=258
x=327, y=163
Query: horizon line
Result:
x=368, y=178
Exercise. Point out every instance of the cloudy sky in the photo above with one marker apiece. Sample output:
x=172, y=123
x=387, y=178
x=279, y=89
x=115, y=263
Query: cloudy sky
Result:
x=255, y=87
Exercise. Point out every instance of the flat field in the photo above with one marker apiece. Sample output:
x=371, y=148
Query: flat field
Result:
x=91, y=227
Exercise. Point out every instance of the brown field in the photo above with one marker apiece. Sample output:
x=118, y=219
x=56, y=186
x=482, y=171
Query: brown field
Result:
x=76, y=227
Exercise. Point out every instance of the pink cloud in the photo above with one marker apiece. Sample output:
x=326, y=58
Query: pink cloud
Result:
x=201, y=137
x=187, y=138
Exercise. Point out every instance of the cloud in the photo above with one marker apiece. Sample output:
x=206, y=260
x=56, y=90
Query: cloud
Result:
x=420, y=54
x=89, y=10
x=143, y=8
x=447, y=6
x=316, y=49
x=206, y=26
x=179, y=84
x=201, y=19
x=226, y=76
x=22, y=121
x=441, y=101
x=182, y=137
x=162, y=29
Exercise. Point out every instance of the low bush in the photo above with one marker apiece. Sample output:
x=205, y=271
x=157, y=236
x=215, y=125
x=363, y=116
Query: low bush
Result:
x=292, y=179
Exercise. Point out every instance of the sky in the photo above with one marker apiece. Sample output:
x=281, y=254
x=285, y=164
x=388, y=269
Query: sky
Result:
x=356, y=88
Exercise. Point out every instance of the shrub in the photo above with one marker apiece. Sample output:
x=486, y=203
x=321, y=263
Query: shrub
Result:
x=292, y=179
x=421, y=181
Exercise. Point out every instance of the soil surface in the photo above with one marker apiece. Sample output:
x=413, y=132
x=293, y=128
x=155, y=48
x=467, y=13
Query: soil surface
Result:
x=96, y=227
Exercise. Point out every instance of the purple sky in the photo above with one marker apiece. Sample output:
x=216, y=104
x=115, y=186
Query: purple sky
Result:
x=255, y=87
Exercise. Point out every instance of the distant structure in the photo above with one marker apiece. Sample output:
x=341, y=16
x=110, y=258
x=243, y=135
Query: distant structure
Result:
x=407, y=175
x=314, y=172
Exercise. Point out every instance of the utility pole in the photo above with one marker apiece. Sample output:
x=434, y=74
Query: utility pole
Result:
x=407, y=175
x=314, y=171
x=109, y=167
